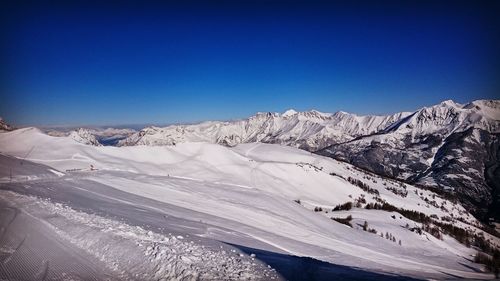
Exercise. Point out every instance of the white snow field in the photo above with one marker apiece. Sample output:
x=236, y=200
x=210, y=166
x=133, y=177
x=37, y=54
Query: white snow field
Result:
x=206, y=211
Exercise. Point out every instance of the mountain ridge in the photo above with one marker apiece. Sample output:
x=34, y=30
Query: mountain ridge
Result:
x=448, y=146
x=310, y=130
x=405, y=145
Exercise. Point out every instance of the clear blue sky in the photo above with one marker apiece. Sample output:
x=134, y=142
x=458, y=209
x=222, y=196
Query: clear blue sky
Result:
x=123, y=62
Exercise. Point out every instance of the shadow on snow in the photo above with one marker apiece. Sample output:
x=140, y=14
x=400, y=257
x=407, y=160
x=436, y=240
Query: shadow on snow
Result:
x=304, y=268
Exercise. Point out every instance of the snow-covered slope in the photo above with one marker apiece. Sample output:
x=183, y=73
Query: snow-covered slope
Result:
x=418, y=147
x=448, y=117
x=249, y=190
x=405, y=145
x=310, y=130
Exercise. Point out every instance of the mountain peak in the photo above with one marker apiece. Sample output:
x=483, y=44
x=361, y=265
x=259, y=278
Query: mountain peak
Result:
x=449, y=103
x=84, y=136
x=343, y=113
x=289, y=112
x=320, y=114
x=314, y=130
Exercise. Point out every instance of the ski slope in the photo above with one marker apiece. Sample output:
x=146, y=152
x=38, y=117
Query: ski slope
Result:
x=245, y=195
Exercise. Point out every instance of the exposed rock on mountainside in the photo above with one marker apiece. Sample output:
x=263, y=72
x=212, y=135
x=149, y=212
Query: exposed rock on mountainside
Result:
x=4, y=126
x=84, y=136
x=311, y=130
x=105, y=136
x=468, y=164
x=449, y=146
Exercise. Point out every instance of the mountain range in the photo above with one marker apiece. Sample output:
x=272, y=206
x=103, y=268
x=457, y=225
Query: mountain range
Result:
x=310, y=130
x=398, y=196
x=449, y=147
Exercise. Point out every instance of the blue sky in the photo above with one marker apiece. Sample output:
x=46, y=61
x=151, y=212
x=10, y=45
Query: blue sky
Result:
x=108, y=62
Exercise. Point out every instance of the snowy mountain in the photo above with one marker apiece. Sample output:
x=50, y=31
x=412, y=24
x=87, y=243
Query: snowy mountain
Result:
x=449, y=146
x=111, y=136
x=84, y=136
x=166, y=210
x=103, y=135
x=411, y=146
x=310, y=130
x=448, y=117
x=314, y=130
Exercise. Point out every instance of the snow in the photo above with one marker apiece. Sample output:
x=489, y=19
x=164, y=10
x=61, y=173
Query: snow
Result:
x=489, y=108
x=312, y=129
x=84, y=136
x=289, y=112
x=450, y=103
x=243, y=195
x=395, y=224
x=133, y=252
x=60, y=174
x=418, y=136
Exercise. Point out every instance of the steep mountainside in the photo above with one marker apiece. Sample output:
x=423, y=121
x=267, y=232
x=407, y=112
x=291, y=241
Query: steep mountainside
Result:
x=84, y=136
x=450, y=146
x=468, y=164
